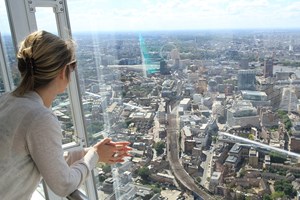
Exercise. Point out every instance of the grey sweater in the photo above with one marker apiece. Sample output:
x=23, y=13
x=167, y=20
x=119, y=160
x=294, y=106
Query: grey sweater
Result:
x=31, y=147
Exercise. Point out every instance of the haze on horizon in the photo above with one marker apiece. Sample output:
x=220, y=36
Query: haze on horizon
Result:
x=152, y=15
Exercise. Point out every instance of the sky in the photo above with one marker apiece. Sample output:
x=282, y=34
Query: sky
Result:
x=124, y=15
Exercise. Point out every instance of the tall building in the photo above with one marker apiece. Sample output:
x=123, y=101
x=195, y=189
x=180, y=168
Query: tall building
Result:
x=164, y=70
x=268, y=67
x=246, y=80
x=244, y=63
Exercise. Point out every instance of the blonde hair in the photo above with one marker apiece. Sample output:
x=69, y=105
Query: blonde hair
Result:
x=41, y=56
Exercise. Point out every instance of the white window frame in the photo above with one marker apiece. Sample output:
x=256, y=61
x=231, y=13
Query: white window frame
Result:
x=22, y=20
x=5, y=71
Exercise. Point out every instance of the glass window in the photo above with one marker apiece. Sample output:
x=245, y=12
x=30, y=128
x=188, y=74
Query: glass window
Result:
x=11, y=71
x=9, y=59
x=212, y=82
x=39, y=193
x=45, y=19
x=2, y=90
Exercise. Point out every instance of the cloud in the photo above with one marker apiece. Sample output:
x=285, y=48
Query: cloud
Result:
x=95, y=15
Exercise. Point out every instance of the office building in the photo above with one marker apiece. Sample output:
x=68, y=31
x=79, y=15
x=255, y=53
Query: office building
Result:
x=244, y=63
x=246, y=80
x=268, y=67
x=242, y=113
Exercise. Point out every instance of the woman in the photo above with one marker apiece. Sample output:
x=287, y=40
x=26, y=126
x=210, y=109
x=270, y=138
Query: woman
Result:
x=30, y=135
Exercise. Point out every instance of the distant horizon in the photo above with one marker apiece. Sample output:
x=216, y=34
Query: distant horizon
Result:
x=170, y=15
x=193, y=30
x=180, y=30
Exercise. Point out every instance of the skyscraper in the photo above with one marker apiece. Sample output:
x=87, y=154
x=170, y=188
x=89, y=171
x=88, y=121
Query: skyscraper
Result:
x=244, y=63
x=268, y=67
x=246, y=79
x=164, y=70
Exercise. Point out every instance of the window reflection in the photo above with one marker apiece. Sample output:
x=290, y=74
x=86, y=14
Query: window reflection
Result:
x=223, y=101
x=129, y=81
x=45, y=19
x=8, y=47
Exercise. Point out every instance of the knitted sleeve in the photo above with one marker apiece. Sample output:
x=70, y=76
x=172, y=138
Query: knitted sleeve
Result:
x=44, y=141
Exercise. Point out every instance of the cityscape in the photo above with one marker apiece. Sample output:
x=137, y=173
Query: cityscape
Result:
x=209, y=114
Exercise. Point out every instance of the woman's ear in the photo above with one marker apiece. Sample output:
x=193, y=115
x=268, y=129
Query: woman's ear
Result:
x=62, y=73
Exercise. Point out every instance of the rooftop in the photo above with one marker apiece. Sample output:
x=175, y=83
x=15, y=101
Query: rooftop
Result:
x=231, y=159
x=256, y=93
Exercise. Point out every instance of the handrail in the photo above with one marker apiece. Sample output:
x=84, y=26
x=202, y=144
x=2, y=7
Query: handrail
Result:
x=77, y=195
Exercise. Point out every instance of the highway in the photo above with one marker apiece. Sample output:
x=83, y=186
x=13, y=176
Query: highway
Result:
x=172, y=152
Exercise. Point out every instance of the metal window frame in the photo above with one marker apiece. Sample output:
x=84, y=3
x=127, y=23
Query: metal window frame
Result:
x=5, y=70
x=22, y=21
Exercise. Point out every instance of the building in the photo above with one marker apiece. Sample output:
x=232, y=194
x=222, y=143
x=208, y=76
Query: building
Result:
x=162, y=132
x=169, y=89
x=268, y=118
x=107, y=186
x=296, y=129
x=242, y=113
x=142, y=120
x=231, y=162
x=253, y=158
x=283, y=75
x=246, y=80
x=189, y=146
x=163, y=68
x=215, y=178
x=163, y=178
x=289, y=100
x=254, y=95
x=236, y=151
x=161, y=113
x=295, y=144
x=185, y=104
x=268, y=67
x=257, y=98
x=244, y=63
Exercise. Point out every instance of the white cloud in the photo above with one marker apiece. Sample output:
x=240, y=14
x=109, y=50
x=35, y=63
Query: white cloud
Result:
x=92, y=15
x=166, y=9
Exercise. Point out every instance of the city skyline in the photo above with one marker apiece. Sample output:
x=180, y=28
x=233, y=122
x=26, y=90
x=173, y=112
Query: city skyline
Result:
x=218, y=117
x=104, y=15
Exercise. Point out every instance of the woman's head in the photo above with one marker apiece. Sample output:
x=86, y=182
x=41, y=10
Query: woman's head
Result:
x=41, y=57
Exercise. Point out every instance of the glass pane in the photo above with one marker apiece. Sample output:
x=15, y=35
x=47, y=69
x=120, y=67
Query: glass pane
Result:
x=39, y=193
x=206, y=92
x=2, y=90
x=61, y=105
x=8, y=47
x=45, y=19
x=13, y=73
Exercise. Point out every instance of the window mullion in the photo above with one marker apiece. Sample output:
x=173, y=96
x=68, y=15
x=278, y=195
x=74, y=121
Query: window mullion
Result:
x=6, y=75
x=62, y=19
x=22, y=21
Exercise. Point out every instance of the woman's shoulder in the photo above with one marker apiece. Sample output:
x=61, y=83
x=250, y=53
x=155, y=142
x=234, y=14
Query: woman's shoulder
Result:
x=30, y=106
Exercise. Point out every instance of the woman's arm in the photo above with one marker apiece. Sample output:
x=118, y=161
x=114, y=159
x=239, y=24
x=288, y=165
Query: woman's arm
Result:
x=44, y=143
x=45, y=147
x=72, y=156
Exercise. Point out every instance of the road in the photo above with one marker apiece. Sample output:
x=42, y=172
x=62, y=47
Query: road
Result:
x=207, y=168
x=182, y=176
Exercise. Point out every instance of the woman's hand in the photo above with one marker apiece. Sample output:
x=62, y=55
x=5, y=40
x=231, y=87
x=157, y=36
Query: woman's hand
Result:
x=112, y=152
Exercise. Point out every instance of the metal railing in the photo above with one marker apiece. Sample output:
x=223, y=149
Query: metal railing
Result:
x=77, y=195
